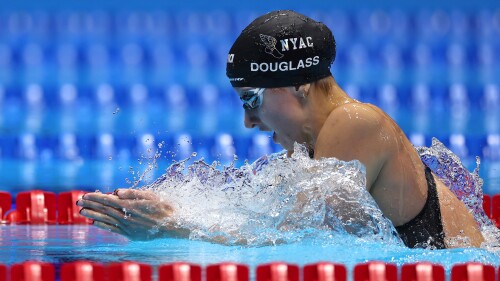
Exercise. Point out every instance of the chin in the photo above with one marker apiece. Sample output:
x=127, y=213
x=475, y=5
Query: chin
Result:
x=285, y=143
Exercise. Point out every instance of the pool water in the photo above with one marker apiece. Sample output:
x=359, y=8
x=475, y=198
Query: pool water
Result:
x=241, y=203
x=61, y=243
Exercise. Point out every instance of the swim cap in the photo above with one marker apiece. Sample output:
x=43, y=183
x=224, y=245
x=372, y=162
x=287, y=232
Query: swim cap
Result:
x=281, y=49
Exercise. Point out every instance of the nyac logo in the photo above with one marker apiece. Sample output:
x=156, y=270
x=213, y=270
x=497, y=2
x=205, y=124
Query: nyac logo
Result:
x=287, y=43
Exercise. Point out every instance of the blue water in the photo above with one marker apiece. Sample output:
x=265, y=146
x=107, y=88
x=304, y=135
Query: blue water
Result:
x=59, y=244
x=305, y=242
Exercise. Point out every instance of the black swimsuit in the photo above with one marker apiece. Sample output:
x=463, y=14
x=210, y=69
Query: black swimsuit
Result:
x=426, y=229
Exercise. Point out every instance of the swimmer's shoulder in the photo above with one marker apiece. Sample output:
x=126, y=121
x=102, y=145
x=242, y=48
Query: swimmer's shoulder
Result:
x=356, y=117
x=356, y=131
x=366, y=108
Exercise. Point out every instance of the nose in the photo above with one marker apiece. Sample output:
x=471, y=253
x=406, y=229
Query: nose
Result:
x=250, y=120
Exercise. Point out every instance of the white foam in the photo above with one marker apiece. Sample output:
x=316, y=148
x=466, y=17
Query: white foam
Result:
x=285, y=201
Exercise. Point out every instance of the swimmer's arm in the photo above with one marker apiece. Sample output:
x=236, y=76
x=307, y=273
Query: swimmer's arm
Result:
x=138, y=215
x=360, y=137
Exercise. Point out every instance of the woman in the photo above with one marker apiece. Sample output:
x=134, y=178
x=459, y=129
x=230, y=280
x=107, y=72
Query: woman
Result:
x=280, y=67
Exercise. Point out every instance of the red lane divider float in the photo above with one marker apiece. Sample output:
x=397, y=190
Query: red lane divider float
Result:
x=83, y=271
x=39, y=207
x=324, y=271
x=422, y=272
x=228, y=272
x=3, y=272
x=32, y=271
x=495, y=209
x=67, y=210
x=487, y=205
x=473, y=272
x=34, y=207
x=179, y=271
x=5, y=205
x=375, y=271
x=129, y=271
x=277, y=271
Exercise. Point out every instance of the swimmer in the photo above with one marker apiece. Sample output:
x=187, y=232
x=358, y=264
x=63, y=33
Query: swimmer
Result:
x=280, y=68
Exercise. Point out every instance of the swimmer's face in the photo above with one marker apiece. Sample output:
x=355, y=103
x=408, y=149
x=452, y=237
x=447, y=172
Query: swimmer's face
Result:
x=278, y=110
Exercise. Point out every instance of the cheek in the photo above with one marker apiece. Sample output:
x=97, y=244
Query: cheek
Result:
x=281, y=115
x=276, y=120
x=284, y=124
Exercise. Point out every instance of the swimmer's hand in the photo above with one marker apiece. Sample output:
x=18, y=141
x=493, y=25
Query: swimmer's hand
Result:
x=136, y=214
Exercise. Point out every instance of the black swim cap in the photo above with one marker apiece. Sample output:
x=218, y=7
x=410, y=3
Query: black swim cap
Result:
x=281, y=49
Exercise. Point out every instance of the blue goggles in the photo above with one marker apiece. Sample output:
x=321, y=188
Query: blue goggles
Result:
x=252, y=98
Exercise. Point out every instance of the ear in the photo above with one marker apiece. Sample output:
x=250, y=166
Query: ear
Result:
x=304, y=89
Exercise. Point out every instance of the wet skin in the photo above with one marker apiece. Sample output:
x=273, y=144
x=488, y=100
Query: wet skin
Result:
x=132, y=213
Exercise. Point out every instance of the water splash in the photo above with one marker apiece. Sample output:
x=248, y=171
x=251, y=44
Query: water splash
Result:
x=274, y=200
x=465, y=185
x=149, y=159
x=278, y=199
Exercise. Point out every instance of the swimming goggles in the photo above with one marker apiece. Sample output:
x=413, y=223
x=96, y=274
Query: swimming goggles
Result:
x=252, y=98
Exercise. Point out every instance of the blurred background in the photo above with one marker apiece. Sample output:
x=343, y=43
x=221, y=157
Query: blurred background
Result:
x=102, y=95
